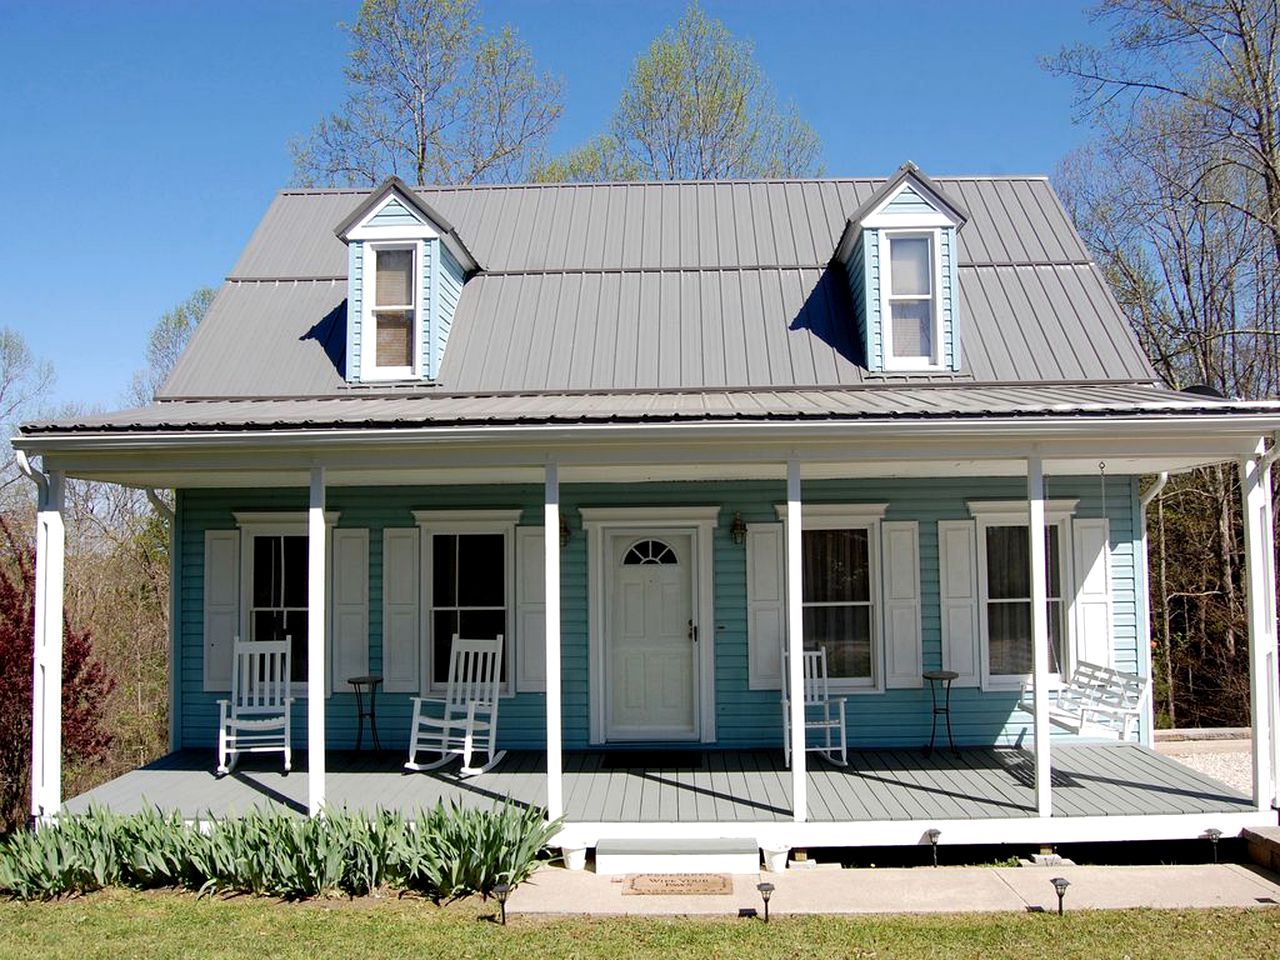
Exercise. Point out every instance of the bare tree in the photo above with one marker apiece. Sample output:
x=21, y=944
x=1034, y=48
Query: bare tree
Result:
x=431, y=98
x=168, y=338
x=697, y=106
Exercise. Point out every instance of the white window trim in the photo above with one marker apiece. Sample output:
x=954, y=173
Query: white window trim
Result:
x=462, y=522
x=369, y=368
x=854, y=516
x=934, y=235
x=280, y=524
x=1006, y=513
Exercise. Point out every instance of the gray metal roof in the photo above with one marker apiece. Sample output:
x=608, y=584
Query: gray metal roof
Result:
x=653, y=285
x=896, y=401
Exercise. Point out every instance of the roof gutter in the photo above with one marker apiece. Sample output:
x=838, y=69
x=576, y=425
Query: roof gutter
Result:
x=1155, y=491
x=777, y=431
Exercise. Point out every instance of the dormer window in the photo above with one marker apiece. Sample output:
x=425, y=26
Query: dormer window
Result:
x=392, y=312
x=910, y=309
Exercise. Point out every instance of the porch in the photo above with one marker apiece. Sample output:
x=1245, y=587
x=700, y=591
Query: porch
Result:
x=983, y=795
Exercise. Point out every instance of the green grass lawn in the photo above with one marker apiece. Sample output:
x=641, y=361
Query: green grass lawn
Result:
x=125, y=924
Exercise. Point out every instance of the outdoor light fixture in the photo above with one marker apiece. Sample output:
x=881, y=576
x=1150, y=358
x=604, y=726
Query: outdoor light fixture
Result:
x=502, y=891
x=1060, y=885
x=564, y=531
x=933, y=834
x=738, y=529
x=1214, y=834
x=766, y=891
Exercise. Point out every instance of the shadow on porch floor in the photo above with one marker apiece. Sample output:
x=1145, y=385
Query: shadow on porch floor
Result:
x=727, y=786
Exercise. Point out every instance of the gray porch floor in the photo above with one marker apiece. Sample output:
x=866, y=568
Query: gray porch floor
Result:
x=740, y=786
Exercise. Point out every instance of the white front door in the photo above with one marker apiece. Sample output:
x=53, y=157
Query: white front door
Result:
x=651, y=641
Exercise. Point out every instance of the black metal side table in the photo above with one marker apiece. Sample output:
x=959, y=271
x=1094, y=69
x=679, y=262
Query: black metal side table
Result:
x=361, y=685
x=943, y=677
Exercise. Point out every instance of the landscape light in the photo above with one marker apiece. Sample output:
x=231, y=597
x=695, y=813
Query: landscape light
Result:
x=502, y=891
x=933, y=834
x=766, y=891
x=1214, y=834
x=1060, y=885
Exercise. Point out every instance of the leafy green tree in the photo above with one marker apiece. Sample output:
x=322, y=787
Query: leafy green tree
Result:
x=168, y=339
x=697, y=106
x=431, y=98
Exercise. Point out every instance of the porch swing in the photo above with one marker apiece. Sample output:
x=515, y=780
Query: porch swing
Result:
x=1095, y=699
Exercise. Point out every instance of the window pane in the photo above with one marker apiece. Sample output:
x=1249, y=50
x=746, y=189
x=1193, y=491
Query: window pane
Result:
x=395, y=278
x=909, y=266
x=395, y=338
x=294, y=571
x=912, y=328
x=481, y=570
x=837, y=566
x=1055, y=562
x=1057, y=638
x=267, y=587
x=476, y=625
x=1008, y=563
x=1009, y=632
x=275, y=625
x=444, y=624
x=845, y=633
x=444, y=570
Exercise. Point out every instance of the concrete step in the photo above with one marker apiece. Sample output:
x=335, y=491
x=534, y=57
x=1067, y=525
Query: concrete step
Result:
x=677, y=856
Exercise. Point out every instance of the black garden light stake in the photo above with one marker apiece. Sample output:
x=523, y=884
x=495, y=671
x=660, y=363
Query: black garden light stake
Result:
x=933, y=835
x=1060, y=885
x=766, y=891
x=1214, y=835
x=502, y=891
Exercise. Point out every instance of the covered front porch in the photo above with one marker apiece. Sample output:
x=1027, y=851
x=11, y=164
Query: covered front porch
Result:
x=583, y=490
x=884, y=797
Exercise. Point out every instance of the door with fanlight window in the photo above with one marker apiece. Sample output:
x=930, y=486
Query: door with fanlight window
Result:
x=651, y=646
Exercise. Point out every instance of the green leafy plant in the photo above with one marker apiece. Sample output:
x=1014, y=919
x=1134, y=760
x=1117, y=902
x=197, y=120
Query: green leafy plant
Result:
x=442, y=852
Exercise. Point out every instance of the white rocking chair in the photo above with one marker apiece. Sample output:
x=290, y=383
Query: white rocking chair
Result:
x=256, y=718
x=468, y=714
x=822, y=712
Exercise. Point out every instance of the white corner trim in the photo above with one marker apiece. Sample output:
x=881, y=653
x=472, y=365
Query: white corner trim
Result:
x=824, y=515
x=1019, y=511
x=648, y=516
x=454, y=518
x=249, y=518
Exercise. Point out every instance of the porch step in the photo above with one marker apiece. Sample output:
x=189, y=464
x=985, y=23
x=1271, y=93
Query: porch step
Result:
x=730, y=855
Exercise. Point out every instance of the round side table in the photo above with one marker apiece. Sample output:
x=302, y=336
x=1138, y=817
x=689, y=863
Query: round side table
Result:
x=943, y=678
x=361, y=685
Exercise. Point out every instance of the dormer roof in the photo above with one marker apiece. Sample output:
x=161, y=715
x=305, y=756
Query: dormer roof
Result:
x=395, y=190
x=907, y=177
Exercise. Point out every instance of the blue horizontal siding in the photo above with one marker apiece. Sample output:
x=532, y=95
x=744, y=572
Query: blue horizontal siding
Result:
x=909, y=201
x=744, y=718
x=394, y=214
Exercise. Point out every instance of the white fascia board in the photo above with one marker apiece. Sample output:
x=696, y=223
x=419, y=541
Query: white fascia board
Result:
x=420, y=232
x=907, y=221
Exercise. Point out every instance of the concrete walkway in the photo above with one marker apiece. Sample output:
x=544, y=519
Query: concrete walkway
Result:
x=554, y=890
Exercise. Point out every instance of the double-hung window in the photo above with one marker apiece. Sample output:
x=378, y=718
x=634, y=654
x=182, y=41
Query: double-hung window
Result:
x=393, y=311
x=910, y=299
x=1004, y=564
x=278, y=595
x=468, y=585
x=839, y=613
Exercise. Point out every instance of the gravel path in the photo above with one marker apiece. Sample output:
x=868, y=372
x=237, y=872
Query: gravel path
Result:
x=1234, y=767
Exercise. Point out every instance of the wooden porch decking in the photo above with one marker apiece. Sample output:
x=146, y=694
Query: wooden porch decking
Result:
x=727, y=786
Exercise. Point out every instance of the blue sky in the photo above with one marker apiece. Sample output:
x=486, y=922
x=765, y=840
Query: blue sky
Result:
x=140, y=142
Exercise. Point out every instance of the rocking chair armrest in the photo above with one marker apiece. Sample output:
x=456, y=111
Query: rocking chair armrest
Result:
x=439, y=700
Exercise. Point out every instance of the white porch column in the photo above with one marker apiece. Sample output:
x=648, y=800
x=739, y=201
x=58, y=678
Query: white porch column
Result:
x=1039, y=633
x=317, y=602
x=46, y=707
x=551, y=600
x=795, y=645
x=1255, y=492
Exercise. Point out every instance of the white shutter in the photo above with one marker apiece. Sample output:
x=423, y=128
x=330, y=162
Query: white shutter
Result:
x=901, y=565
x=958, y=595
x=531, y=621
x=766, y=602
x=221, y=605
x=1091, y=609
x=400, y=643
x=350, y=618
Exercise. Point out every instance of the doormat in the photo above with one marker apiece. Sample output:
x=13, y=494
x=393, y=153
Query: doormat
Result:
x=652, y=760
x=678, y=885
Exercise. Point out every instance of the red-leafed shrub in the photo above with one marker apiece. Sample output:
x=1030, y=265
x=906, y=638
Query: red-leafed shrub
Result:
x=85, y=683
